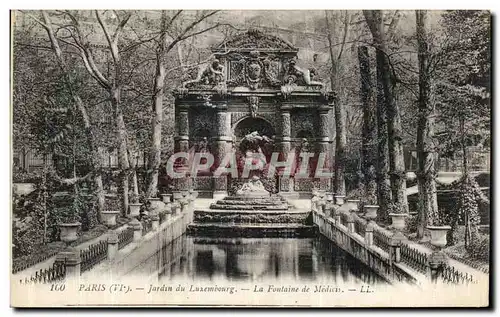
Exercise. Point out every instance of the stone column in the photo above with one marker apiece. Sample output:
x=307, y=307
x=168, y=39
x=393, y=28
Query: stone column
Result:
x=112, y=245
x=222, y=142
x=182, y=145
x=285, y=181
x=323, y=146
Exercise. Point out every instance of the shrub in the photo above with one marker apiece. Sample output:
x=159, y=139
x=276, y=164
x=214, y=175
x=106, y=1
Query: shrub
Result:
x=480, y=248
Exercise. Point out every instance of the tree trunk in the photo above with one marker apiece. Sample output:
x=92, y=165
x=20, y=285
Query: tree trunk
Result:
x=340, y=144
x=340, y=117
x=368, y=130
x=375, y=23
x=123, y=161
x=426, y=175
x=465, y=169
x=155, y=152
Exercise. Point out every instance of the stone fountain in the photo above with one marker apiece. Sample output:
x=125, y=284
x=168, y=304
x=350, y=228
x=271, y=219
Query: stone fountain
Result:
x=252, y=211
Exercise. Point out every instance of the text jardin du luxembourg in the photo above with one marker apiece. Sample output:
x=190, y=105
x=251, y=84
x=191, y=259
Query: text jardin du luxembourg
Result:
x=268, y=288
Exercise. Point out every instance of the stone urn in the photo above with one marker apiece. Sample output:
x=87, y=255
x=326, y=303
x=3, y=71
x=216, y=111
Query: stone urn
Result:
x=109, y=217
x=177, y=195
x=339, y=200
x=370, y=211
x=329, y=196
x=69, y=231
x=353, y=204
x=156, y=203
x=135, y=209
x=184, y=203
x=166, y=198
x=438, y=235
x=398, y=220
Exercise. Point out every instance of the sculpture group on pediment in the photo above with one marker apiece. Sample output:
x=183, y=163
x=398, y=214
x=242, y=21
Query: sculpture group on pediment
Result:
x=299, y=76
x=213, y=75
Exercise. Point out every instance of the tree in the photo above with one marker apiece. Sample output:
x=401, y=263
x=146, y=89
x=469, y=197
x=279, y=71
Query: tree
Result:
x=463, y=82
x=340, y=116
x=375, y=24
x=76, y=37
x=69, y=81
x=369, y=125
x=428, y=207
x=162, y=49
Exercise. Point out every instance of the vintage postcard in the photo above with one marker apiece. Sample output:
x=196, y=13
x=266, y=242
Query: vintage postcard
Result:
x=272, y=158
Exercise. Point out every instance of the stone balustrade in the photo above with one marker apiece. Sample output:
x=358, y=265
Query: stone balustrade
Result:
x=384, y=251
x=173, y=222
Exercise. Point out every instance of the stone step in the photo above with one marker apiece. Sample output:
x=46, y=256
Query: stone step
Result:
x=249, y=207
x=252, y=230
x=251, y=211
x=248, y=203
x=250, y=217
x=253, y=199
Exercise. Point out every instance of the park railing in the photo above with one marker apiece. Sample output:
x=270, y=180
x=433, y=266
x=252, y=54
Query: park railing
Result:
x=381, y=239
x=93, y=255
x=18, y=267
x=413, y=258
x=54, y=273
x=125, y=237
x=359, y=225
x=452, y=276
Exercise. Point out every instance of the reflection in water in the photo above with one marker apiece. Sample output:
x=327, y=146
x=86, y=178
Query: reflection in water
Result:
x=257, y=259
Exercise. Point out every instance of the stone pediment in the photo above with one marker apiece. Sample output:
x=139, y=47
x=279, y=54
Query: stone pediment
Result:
x=254, y=60
x=254, y=39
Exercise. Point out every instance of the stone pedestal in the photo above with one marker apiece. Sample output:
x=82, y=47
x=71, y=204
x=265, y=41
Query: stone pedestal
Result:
x=136, y=225
x=437, y=260
x=350, y=224
x=112, y=245
x=155, y=221
x=369, y=233
x=396, y=240
x=72, y=260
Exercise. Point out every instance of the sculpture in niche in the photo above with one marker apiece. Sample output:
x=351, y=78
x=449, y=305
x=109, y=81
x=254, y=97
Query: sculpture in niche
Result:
x=254, y=142
x=253, y=104
x=303, y=147
x=203, y=145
